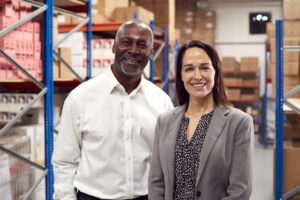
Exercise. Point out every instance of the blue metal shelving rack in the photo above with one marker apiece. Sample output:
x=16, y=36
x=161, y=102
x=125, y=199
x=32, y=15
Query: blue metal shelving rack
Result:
x=280, y=100
x=48, y=101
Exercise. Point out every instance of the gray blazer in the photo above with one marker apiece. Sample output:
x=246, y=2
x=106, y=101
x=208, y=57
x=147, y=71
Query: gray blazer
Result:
x=225, y=168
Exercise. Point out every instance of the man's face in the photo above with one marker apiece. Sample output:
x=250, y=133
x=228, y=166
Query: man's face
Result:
x=133, y=49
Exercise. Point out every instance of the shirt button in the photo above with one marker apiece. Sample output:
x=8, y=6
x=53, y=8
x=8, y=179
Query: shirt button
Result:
x=129, y=179
x=198, y=193
x=127, y=118
x=127, y=137
x=129, y=158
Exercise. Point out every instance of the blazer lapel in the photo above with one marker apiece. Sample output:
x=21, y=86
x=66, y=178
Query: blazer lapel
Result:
x=172, y=132
x=215, y=128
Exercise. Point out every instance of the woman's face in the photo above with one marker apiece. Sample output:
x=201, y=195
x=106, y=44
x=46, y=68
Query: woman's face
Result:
x=198, y=73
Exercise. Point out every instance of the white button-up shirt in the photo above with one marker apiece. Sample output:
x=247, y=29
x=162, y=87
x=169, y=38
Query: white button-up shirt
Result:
x=105, y=139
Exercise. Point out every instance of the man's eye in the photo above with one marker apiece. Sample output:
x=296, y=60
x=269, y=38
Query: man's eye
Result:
x=143, y=46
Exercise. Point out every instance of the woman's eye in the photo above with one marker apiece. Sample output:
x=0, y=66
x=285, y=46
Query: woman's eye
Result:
x=188, y=69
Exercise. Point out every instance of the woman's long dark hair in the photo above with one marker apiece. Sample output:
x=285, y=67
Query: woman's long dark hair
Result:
x=219, y=94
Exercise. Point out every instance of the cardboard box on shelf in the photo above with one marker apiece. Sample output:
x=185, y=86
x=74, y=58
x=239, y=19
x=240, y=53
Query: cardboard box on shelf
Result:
x=291, y=166
x=233, y=93
x=107, y=7
x=291, y=9
x=99, y=19
x=77, y=20
x=64, y=71
x=232, y=81
x=270, y=31
x=249, y=64
x=250, y=82
x=147, y=4
x=228, y=63
x=291, y=68
x=164, y=12
x=291, y=29
x=64, y=19
x=123, y=14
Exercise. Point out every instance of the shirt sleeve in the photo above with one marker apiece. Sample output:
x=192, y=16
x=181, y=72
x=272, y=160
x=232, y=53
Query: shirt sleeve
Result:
x=67, y=152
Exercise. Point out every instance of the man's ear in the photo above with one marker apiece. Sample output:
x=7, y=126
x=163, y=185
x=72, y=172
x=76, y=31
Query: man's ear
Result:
x=114, y=47
x=151, y=54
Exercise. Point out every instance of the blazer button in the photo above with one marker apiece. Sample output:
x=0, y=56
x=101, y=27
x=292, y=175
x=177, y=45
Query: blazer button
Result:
x=198, y=193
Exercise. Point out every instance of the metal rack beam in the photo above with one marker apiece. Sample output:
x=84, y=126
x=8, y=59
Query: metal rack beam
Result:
x=279, y=112
x=280, y=100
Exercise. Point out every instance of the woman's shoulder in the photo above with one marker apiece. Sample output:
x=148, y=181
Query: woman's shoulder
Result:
x=237, y=114
x=179, y=110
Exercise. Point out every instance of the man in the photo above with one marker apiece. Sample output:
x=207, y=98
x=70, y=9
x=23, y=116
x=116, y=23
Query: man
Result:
x=104, y=145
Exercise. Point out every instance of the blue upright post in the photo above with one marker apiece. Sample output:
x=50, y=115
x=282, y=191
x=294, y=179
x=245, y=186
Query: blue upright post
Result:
x=152, y=61
x=48, y=100
x=279, y=112
x=89, y=39
x=265, y=98
x=165, y=57
x=135, y=15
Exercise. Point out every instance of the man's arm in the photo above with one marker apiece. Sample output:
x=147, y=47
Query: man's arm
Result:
x=67, y=152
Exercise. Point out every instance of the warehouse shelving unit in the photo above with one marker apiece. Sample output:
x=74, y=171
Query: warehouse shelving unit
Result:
x=280, y=100
x=45, y=88
x=253, y=102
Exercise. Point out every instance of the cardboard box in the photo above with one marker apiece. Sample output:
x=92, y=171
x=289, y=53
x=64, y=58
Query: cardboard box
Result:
x=99, y=19
x=232, y=81
x=234, y=93
x=291, y=68
x=77, y=20
x=249, y=64
x=228, y=63
x=291, y=9
x=64, y=71
x=64, y=19
x=250, y=82
x=164, y=12
x=126, y=13
x=291, y=167
x=107, y=7
x=291, y=29
x=271, y=31
x=147, y=4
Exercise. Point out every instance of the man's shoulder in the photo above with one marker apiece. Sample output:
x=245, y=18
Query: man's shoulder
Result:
x=155, y=90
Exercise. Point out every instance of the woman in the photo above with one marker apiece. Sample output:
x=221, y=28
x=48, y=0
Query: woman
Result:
x=203, y=148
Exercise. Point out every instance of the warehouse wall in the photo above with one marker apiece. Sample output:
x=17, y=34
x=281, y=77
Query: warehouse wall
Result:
x=232, y=30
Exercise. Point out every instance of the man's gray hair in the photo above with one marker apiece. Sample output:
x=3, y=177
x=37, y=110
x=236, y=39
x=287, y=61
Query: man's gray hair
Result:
x=138, y=22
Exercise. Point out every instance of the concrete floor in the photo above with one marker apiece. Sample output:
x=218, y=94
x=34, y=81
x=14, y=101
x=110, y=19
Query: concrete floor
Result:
x=262, y=172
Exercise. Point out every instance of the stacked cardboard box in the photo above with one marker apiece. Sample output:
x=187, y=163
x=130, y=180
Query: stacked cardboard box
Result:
x=23, y=44
x=228, y=63
x=107, y=7
x=102, y=56
x=249, y=64
x=291, y=60
x=123, y=14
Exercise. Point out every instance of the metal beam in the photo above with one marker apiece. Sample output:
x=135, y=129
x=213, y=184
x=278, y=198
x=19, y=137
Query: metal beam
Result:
x=84, y=22
x=22, y=21
x=22, y=112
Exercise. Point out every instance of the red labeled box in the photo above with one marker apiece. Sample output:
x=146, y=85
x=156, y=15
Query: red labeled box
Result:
x=36, y=31
x=37, y=50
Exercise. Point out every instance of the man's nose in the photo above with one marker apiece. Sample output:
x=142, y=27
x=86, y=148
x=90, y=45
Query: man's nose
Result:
x=133, y=48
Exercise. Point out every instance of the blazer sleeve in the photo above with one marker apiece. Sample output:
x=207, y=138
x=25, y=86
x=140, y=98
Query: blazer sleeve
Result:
x=156, y=183
x=240, y=177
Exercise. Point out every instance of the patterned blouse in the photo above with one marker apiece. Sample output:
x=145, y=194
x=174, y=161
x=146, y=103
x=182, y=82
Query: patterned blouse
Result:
x=187, y=157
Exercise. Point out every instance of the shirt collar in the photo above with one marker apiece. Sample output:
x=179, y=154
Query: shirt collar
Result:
x=114, y=85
